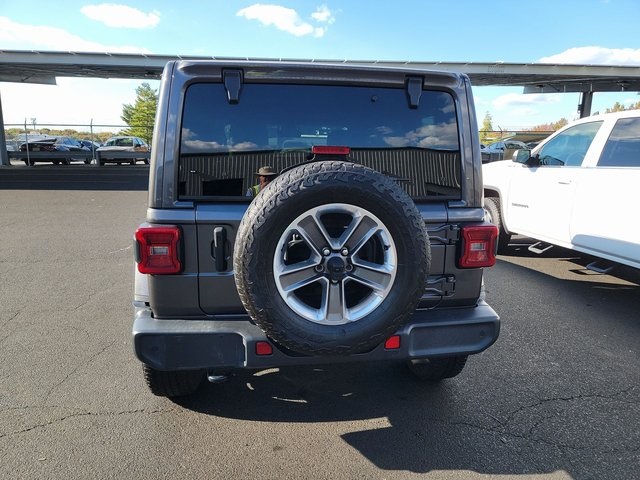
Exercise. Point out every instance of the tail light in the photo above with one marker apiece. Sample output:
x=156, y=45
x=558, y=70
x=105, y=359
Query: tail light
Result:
x=263, y=348
x=479, y=243
x=392, y=343
x=158, y=250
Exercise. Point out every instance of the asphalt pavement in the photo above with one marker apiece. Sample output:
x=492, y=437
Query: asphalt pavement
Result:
x=557, y=397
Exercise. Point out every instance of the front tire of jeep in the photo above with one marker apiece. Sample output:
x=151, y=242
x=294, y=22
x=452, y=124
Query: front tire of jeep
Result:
x=331, y=258
x=437, y=369
x=494, y=215
x=172, y=383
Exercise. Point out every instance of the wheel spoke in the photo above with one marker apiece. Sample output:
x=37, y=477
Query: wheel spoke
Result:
x=313, y=233
x=361, y=229
x=297, y=276
x=375, y=276
x=333, y=305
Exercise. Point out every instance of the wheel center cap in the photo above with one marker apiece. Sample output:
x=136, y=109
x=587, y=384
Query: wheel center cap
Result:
x=336, y=268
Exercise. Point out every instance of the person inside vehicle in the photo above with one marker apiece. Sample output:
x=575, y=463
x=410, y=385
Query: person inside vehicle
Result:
x=265, y=175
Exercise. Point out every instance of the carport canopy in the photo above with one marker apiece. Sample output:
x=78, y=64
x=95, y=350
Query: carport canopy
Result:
x=43, y=67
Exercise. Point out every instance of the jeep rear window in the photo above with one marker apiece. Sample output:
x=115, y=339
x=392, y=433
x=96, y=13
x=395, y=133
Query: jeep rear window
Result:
x=223, y=144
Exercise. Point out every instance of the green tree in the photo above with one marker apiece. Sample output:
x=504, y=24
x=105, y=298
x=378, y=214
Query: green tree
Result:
x=559, y=124
x=141, y=115
x=487, y=128
x=617, y=107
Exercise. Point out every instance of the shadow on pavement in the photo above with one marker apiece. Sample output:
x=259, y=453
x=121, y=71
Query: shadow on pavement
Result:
x=518, y=248
x=547, y=399
x=410, y=426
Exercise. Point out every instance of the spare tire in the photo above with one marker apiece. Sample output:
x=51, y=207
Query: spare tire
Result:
x=331, y=258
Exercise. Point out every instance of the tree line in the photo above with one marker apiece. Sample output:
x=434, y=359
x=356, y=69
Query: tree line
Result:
x=139, y=118
x=487, y=131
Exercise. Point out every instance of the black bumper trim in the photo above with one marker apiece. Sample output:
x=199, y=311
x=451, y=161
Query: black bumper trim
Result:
x=221, y=344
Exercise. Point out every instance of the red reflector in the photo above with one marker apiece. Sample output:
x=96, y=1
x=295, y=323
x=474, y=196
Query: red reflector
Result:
x=264, y=348
x=478, y=246
x=330, y=150
x=158, y=249
x=392, y=343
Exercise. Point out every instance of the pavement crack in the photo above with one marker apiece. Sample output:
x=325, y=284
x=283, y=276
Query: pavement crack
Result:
x=155, y=411
x=503, y=427
x=612, y=396
x=5, y=323
x=121, y=250
x=75, y=369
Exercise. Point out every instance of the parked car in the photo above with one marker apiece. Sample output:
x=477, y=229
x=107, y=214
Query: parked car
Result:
x=124, y=144
x=577, y=189
x=12, y=145
x=500, y=150
x=368, y=246
x=503, y=145
x=91, y=145
x=59, y=144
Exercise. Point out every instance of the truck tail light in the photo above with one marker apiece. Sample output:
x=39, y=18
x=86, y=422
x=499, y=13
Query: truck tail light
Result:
x=158, y=250
x=479, y=243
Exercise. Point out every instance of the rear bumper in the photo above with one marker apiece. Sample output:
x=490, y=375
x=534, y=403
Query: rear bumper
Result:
x=231, y=344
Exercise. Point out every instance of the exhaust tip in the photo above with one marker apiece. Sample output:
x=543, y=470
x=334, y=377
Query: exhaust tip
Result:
x=212, y=378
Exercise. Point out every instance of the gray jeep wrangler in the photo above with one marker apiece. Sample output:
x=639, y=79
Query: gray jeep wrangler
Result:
x=368, y=246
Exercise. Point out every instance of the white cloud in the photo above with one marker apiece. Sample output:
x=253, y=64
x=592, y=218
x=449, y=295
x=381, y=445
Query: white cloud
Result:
x=323, y=14
x=73, y=101
x=20, y=36
x=511, y=100
x=287, y=19
x=121, y=16
x=596, y=56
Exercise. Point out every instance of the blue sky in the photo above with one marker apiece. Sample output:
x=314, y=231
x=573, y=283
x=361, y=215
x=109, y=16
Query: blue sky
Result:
x=570, y=31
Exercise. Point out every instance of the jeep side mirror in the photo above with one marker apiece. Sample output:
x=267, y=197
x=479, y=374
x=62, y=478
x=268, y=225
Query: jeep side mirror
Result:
x=521, y=156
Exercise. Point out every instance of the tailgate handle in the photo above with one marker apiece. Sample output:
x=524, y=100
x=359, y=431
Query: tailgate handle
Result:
x=219, y=248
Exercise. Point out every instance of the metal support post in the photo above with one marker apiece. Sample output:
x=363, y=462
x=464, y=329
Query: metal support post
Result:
x=584, y=109
x=4, y=156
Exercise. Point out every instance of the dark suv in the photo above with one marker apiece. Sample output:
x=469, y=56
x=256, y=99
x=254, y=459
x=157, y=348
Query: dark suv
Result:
x=368, y=245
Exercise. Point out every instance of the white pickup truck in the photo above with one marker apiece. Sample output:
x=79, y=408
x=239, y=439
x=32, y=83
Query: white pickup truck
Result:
x=579, y=189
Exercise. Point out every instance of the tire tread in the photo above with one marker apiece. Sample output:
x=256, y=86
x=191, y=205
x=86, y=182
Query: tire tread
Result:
x=288, y=186
x=437, y=369
x=172, y=383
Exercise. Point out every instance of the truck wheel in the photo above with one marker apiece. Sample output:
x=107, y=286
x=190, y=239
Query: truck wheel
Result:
x=436, y=369
x=331, y=258
x=172, y=383
x=493, y=215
